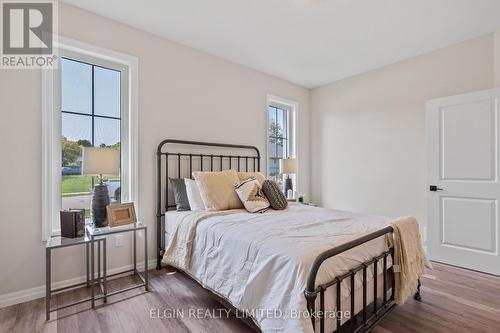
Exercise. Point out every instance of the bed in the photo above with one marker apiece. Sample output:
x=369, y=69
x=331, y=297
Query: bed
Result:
x=305, y=269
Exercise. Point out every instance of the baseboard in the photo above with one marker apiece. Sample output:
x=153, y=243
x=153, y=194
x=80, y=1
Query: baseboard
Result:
x=38, y=292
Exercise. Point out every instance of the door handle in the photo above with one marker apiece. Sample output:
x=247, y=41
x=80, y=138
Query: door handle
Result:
x=434, y=188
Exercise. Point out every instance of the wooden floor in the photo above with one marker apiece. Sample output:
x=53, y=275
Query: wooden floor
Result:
x=454, y=300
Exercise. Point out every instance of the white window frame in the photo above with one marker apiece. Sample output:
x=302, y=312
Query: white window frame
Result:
x=51, y=127
x=293, y=108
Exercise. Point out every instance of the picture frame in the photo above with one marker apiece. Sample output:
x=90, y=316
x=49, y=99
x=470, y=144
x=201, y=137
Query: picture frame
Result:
x=121, y=214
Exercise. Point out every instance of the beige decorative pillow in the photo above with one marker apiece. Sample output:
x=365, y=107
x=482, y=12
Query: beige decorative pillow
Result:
x=257, y=175
x=252, y=196
x=217, y=189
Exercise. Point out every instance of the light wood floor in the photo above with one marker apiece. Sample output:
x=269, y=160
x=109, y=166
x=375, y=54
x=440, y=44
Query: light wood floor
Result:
x=454, y=300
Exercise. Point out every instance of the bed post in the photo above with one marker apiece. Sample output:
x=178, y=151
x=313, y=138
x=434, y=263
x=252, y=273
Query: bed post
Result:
x=417, y=295
x=311, y=300
x=159, y=250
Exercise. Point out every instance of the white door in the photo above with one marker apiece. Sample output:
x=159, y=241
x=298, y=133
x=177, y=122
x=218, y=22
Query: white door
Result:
x=463, y=188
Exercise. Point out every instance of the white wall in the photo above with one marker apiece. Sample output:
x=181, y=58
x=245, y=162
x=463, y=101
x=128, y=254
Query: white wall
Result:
x=184, y=94
x=368, y=132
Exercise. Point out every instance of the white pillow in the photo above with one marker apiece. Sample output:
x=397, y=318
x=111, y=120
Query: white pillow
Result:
x=193, y=194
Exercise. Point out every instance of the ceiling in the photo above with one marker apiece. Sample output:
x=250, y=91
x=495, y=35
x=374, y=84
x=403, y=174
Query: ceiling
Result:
x=308, y=42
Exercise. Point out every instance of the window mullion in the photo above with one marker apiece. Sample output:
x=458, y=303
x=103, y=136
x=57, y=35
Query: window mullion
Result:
x=287, y=142
x=93, y=122
x=276, y=125
x=90, y=115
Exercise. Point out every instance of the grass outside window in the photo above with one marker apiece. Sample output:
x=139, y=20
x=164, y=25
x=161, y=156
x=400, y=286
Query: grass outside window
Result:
x=79, y=185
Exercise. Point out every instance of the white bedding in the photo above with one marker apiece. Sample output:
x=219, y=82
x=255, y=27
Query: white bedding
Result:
x=261, y=261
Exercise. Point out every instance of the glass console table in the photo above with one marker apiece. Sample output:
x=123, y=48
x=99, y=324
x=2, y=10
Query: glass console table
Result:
x=58, y=242
x=95, y=234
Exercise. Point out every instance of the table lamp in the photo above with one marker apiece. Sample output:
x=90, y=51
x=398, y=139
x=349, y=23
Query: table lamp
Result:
x=99, y=162
x=288, y=167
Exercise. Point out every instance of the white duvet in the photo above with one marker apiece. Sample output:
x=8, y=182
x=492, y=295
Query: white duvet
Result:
x=260, y=262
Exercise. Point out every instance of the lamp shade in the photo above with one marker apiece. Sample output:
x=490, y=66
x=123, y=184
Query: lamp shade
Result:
x=289, y=165
x=101, y=161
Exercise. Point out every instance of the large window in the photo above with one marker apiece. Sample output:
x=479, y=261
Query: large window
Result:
x=280, y=138
x=91, y=100
x=90, y=117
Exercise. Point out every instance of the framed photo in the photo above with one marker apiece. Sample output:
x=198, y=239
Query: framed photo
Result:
x=121, y=214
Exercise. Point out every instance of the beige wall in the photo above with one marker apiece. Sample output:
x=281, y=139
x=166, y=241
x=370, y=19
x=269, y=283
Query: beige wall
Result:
x=368, y=132
x=183, y=94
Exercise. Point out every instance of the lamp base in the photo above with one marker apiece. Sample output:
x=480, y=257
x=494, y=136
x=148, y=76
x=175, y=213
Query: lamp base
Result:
x=100, y=199
x=288, y=185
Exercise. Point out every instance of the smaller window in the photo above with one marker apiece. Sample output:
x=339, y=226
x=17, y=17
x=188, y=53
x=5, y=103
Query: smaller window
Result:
x=280, y=140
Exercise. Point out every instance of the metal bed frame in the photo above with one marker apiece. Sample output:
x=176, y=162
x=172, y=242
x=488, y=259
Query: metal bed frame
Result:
x=372, y=311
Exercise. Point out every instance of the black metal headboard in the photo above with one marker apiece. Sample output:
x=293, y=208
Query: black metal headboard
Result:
x=172, y=155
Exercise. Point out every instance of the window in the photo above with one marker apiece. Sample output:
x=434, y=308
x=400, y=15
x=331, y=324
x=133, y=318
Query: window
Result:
x=280, y=137
x=89, y=101
x=90, y=117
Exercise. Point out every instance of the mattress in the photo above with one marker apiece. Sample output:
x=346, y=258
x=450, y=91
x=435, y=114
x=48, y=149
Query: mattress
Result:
x=259, y=262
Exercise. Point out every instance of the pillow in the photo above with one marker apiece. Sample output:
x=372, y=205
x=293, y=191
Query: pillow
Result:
x=193, y=194
x=217, y=189
x=276, y=198
x=252, y=196
x=242, y=176
x=180, y=195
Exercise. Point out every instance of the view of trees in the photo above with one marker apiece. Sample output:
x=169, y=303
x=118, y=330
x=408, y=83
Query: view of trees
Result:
x=276, y=134
x=276, y=143
x=72, y=150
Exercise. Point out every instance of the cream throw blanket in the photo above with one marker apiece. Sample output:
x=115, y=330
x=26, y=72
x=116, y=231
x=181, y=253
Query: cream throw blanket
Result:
x=178, y=250
x=410, y=260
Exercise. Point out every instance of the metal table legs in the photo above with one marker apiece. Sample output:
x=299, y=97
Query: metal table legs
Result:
x=102, y=281
x=146, y=277
x=89, y=258
x=47, y=283
x=90, y=266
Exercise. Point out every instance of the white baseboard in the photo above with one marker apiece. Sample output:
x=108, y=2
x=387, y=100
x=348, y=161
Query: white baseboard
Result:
x=38, y=292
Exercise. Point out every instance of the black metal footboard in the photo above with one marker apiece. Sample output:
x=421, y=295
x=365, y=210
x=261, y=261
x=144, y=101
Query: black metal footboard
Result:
x=371, y=313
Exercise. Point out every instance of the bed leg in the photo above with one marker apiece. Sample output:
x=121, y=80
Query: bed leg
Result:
x=159, y=254
x=159, y=258
x=158, y=264
x=417, y=295
x=311, y=299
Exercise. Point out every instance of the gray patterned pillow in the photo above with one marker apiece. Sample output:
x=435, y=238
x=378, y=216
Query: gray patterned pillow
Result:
x=276, y=198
